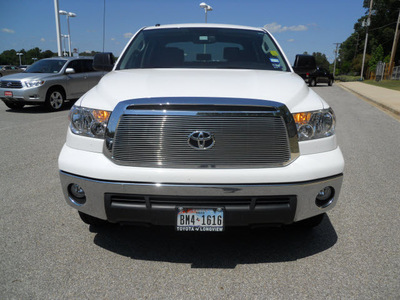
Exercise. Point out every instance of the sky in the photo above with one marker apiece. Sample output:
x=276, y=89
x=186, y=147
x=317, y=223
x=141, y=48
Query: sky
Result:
x=298, y=25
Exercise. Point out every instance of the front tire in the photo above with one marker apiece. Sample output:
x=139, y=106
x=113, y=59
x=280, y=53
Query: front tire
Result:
x=55, y=99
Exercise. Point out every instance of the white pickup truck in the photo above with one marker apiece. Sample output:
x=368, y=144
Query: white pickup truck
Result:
x=201, y=127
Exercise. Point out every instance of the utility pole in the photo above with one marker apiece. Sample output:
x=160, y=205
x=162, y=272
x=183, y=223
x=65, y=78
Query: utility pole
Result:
x=58, y=27
x=366, y=37
x=394, y=47
x=336, y=52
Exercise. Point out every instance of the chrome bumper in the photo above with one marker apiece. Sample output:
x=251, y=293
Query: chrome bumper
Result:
x=96, y=190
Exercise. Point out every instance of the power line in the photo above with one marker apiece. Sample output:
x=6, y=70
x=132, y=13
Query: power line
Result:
x=383, y=26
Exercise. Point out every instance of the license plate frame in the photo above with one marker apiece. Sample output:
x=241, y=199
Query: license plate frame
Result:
x=209, y=219
x=8, y=94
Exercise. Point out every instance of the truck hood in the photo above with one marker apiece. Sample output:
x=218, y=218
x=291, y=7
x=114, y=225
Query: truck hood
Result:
x=284, y=87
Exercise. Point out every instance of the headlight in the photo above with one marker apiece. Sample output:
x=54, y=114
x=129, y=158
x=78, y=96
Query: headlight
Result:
x=88, y=122
x=34, y=83
x=315, y=124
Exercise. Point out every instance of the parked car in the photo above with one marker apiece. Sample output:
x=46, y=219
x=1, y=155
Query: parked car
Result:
x=201, y=127
x=8, y=69
x=306, y=67
x=50, y=82
x=24, y=67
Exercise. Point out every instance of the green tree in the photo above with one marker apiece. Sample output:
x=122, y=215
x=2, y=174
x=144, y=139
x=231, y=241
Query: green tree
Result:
x=93, y=53
x=377, y=56
x=381, y=32
x=383, y=24
x=357, y=62
x=9, y=57
x=321, y=60
x=33, y=53
x=345, y=68
x=350, y=47
x=47, y=54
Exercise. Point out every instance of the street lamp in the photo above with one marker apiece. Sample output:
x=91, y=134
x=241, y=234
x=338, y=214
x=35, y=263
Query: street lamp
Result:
x=206, y=8
x=19, y=54
x=64, y=36
x=69, y=15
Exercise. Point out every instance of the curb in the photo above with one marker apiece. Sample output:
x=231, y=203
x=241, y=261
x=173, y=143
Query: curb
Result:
x=388, y=108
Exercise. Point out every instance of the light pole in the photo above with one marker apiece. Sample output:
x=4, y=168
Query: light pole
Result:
x=69, y=15
x=58, y=29
x=19, y=54
x=64, y=36
x=206, y=7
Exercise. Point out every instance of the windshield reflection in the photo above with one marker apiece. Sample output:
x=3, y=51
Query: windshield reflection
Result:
x=47, y=66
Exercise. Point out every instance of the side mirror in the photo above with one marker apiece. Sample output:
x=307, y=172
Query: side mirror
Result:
x=103, y=61
x=70, y=71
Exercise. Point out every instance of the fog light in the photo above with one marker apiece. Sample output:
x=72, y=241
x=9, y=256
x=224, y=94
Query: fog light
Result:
x=77, y=194
x=325, y=197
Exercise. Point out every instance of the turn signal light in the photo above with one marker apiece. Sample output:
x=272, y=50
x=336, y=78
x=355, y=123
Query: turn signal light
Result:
x=302, y=118
x=101, y=115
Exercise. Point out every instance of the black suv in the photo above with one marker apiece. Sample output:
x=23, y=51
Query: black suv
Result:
x=306, y=67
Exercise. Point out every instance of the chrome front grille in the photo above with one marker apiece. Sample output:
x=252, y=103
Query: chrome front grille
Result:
x=151, y=136
x=11, y=84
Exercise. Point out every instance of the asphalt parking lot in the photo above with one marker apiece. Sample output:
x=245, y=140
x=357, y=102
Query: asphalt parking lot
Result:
x=48, y=253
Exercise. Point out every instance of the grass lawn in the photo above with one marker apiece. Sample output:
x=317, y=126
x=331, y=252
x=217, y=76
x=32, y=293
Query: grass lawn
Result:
x=389, y=84
x=346, y=78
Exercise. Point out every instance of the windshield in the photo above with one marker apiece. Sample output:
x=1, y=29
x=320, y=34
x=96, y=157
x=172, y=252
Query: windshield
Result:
x=203, y=48
x=47, y=66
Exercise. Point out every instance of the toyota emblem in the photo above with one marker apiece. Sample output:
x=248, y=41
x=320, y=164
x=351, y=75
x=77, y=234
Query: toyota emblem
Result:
x=201, y=140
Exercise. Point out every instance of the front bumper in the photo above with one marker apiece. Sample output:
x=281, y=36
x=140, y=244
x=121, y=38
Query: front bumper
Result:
x=24, y=95
x=157, y=203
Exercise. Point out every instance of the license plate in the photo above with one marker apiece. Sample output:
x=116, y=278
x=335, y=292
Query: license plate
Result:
x=8, y=94
x=200, y=219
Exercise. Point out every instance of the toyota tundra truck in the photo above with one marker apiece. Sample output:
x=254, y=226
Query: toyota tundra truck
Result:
x=201, y=127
